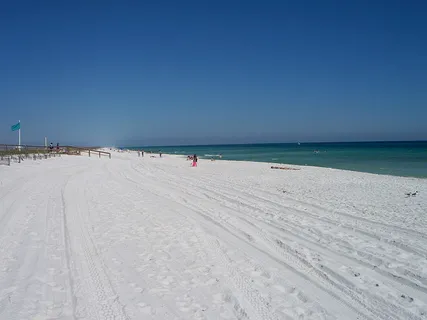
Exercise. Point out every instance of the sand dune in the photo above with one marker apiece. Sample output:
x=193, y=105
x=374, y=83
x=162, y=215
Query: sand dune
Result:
x=152, y=238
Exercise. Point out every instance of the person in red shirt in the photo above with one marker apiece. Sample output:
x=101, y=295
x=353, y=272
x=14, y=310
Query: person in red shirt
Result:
x=195, y=161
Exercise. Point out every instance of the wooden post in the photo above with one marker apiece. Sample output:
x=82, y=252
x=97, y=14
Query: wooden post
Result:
x=100, y=154
x=89, y=153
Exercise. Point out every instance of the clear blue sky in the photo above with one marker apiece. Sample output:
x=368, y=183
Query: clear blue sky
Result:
x=184, y=72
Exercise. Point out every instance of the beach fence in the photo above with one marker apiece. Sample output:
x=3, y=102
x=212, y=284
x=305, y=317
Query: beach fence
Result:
x=17, y=153
x=95, y=152
x=10, y=153
x=90, y=151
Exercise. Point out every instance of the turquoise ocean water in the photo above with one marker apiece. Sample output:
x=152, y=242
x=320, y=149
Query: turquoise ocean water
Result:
x=393, y=158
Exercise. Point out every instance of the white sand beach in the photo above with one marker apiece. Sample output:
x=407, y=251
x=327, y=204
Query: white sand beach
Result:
x=153, y=238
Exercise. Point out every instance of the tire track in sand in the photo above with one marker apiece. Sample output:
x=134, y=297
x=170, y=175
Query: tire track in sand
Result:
x=95, y=296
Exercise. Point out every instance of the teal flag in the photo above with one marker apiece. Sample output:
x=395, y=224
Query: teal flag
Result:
x=16, y=126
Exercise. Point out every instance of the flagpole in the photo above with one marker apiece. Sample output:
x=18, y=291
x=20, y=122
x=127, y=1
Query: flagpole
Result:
x=19, y=135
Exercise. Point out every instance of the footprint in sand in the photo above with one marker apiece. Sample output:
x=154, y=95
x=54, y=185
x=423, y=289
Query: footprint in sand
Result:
x=211, y=281
x=168, y=281
x=54, y=312
x=302, y=297
x=58, y=289
x=282, y=289
x=194, y=239
x=199, y=315
x=52, y=271
x=184, y=283
x=184, y=303
x=218, y=298
x=183, y=306
x=35, y=236
x=146, y=308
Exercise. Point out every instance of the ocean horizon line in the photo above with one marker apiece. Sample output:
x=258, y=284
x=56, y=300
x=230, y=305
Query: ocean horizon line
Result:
x=272, y=143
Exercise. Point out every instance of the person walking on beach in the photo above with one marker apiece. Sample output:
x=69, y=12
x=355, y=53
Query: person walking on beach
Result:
x=194, y=161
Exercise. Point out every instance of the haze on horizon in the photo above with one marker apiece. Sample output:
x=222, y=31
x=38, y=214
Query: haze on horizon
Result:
x=215, y=72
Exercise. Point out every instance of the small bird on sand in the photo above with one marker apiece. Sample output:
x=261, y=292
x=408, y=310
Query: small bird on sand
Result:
x=411, y=194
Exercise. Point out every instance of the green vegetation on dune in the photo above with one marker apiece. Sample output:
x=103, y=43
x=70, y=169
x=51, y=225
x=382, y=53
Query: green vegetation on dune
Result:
x=13, y=152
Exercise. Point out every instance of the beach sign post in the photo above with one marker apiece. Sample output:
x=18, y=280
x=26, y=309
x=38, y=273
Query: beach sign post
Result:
x=17, y=127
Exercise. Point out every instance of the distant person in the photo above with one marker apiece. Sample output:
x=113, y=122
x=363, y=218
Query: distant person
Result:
x=142, y=153
x=160, y=154
x=195, y=161
x=51, y=147
x=57, y=147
